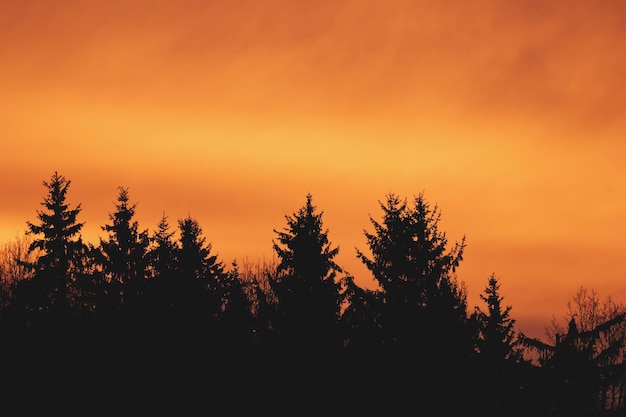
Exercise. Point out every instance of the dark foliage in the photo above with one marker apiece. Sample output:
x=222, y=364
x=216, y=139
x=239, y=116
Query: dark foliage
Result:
x=159, y=323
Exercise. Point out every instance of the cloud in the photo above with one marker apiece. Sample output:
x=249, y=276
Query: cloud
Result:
x=486, y=59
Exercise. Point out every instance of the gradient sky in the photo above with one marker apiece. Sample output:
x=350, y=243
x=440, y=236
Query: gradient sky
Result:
x=510, y=116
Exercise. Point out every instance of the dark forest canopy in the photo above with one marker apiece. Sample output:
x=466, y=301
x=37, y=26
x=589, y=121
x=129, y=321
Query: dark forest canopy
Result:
x=164, y=294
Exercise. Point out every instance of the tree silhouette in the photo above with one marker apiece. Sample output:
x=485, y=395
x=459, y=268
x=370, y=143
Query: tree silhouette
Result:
x=161, y=287
x=257, y=278
x=162, y=253
x=578, y=368
x=423, y=309
x=199, y=273
x=123, y=256
x=15, y=259
x=168, y=305
x=583, y=366
x=500, y=355
x=45, y=297
x=306, y=285
x=497, y=340
x=424, y=306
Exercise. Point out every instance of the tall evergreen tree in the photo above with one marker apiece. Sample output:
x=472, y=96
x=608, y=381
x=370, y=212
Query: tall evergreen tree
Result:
x=424, y=305
x=162, y=253
x=195, y=257
x=423, y=309
x=198, y=276
x=497, y=340
x=307, y=289
x=123, y=254
x=162, y=263
x=59, y=250
x=499, y=351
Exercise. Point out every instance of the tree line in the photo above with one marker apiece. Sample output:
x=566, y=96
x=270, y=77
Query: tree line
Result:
x=163, y=297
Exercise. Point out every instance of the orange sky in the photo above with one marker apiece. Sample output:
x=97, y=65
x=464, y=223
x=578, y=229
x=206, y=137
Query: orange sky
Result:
x=508, y=115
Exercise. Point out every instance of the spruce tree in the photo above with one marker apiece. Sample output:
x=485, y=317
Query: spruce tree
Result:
x=162, y=262
x=426, y=340
x=497, y=340
x=499, y=353
x=59, y=249
x=306, y=285
x=425, y=308
x=197, y=278
x=162, y=253
x=123, y=255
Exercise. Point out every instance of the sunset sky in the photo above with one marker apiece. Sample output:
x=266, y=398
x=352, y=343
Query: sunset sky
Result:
x=510, y=116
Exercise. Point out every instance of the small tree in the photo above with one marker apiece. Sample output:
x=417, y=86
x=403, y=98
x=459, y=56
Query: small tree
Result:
x=257, y=278
x=499, y=352
x=497, y=339
x=585, y=362
x=14, y=260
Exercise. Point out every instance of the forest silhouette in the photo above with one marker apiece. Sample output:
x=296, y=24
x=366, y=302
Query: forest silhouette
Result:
x=157, y=312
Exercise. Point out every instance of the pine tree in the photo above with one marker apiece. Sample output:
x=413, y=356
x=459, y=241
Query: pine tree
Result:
x=425, y=341
x=198, y=275
x=306, y=285
x=424, y=307
x=59, y=249
x=162, y=262
x=162, y=254
x=123, y=255
x=500, y=359
x=497, y=340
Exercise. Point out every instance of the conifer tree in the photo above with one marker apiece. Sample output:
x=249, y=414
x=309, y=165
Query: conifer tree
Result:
x=424, y=307
x=423, y=322
x=59, y=250
x=499, y=353
x=497, y=340
x=162, y=262
x=198, y=275
x=123, y=254
x=162, y=253
x=306, y=286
